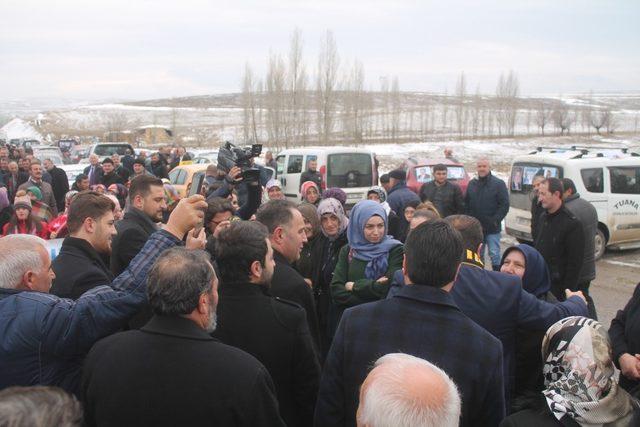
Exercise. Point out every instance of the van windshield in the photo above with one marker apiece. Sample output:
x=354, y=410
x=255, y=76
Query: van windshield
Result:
x=349, y=170
x=521, y=182
x=425, y=173
x=108, y=150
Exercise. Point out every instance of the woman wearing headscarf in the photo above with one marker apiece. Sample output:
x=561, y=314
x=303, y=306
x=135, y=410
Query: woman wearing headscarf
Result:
x=403, y=228
x=332, y=238
x=38, y=207
x=23, y=222
x=6, y=210
x=625, y=337
x=121, y=192
x=304, y=265
x=367, y=264
x=335, y=193
x=580, y=388
x=527, y=263
x=379, y=194
x=310, y=193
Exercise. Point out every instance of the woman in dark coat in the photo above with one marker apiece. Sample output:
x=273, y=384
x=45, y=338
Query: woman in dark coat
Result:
x=333, y=236
x=625, y=338
x=580, y=388
x=367, y=264
x=527, y=263
x=407, y=215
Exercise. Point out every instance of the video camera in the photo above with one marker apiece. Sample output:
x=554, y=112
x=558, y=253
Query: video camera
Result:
x=230, y=155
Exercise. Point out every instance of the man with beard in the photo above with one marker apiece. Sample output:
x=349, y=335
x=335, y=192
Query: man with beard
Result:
x=172, y=372
x=146, y=205
x=80, y=265
x=35, y=180
x=273, y=330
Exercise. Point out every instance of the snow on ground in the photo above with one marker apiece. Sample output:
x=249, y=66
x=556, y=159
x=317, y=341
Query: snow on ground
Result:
x=18, y=128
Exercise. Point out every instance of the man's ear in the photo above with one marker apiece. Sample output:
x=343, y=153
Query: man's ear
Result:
x=89, y=225
x=278, y=235
x=203, y=304
x=27, y=280
x=256, y=269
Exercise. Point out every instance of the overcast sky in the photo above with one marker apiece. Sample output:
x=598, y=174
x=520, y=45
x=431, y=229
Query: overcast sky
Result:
x=152, y=49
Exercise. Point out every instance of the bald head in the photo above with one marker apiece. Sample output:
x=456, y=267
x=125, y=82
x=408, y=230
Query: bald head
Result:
x=408, y=391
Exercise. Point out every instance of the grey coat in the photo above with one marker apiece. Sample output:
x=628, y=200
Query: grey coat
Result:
x=587, y=215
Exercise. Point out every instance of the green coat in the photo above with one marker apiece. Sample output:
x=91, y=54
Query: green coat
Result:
x=364, y=290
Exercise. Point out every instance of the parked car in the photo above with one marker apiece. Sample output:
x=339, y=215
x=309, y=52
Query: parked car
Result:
x=42, y=152
x=352, y=169
x=107, y=149
x=73, y=171
x=182, y=177
x=608, y=178
x=420, y=171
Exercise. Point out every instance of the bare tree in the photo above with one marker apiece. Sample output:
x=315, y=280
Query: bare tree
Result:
x=296, y=86
x=396, y=109
x=249, y=114
x=611, y=123
x=562, y=118
x=275, y=102
x=598, y=118
x=355, y=103
x=476, y=112
x=507, y=92
x=543, y=116
x=328, y=63
x=460, y=109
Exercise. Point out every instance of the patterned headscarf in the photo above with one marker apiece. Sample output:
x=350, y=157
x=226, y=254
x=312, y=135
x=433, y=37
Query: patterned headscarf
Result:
x=579, y=373
x=306, y=186
x=333, y=207
x=310, y=213
x=171, y=195
x=382, y=195
x=335, y=193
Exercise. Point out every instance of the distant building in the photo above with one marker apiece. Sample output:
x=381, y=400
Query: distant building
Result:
x=154, y=134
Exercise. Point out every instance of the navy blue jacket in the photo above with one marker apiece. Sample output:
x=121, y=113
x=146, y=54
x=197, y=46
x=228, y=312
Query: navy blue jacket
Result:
x=422, y=321
x=399, y=196
x=487, y=199
x=497, y=302
x=44, y=339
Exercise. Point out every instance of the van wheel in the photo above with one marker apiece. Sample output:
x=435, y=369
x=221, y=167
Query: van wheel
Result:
x=601, y=243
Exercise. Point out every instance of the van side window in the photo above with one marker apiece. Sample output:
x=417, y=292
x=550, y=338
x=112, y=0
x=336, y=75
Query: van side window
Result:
x=593, y=180
x=295, y=164
x=280, y=165
x=625, y=180
x=177, y=176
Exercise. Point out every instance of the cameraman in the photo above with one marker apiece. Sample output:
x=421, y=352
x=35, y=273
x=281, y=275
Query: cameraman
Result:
x=232, y=180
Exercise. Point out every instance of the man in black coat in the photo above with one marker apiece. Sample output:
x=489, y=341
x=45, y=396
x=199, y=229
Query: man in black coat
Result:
x=119, y=168
x=273, y=330
x=487, y=200
x=588, y=217
x=422, y=320
x=146, y=206
x=172, y=372
x=59, y=182
x=445, y=196
x=560, y=239
x=311, y=174
x=14, y=179
x=287, y=236
x=109, y=175
x=79, y=266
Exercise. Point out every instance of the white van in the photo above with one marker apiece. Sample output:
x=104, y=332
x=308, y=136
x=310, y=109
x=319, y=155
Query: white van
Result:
x=351, y=169
x=608, y=178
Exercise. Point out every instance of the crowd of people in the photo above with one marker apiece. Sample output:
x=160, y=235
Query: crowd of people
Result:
x=238, y=307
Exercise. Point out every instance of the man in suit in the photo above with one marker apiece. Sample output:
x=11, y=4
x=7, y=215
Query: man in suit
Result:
x=35, y=180
x=80, y=265
x=287, y=236
x=94, y=170
x=271, y=329
x=181, y=155
x=497, y=301
x=172, y=372
x=14, y=179
x=422, y=320
x=59, y=182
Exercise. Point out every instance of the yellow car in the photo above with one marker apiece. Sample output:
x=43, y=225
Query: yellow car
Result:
x=181, y=177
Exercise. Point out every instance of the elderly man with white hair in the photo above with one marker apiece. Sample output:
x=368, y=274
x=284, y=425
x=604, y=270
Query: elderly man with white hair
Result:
x=406, y=391
x=43, y=338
